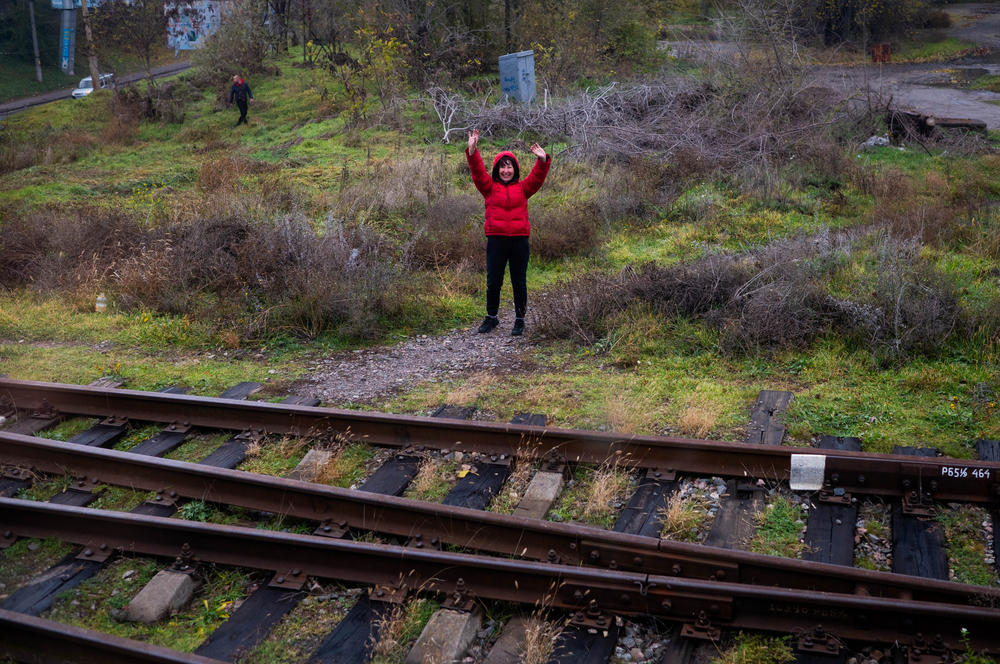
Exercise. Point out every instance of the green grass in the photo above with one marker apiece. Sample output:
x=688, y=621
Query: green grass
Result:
x=778, y=529
x=26, y=558
x=302, y=630
x=989, y=82
x=921, y=50
x=97, y=604
x=757, y=649
x=18, y=79
x=965, y=537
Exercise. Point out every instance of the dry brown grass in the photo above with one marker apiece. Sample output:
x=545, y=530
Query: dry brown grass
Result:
x=606, y=487
x=391, y=629
x=473, y=388
x=540, y=635
x=682, y=518
x=517, y=483
x=697, y=420
x=428, y=477
x=627, y=414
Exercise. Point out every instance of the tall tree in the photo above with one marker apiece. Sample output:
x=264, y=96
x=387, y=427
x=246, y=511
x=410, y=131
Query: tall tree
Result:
x=95, y=74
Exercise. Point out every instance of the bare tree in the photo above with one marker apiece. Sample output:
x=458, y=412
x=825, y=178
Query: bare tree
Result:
x=95, y=75
x=137, y=26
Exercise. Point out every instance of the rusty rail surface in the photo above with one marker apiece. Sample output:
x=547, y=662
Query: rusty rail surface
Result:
x=592, y=594
x=432, y=524
x=806, y=469
x=29, y=639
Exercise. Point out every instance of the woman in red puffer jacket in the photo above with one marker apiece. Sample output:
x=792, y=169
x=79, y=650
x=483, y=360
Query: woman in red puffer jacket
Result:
x=507, y=227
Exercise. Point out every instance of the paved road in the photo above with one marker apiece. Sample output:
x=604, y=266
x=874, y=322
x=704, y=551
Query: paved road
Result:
x=27, y=102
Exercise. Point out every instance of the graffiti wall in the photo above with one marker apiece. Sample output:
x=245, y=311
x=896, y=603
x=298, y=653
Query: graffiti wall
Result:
x=196, y=21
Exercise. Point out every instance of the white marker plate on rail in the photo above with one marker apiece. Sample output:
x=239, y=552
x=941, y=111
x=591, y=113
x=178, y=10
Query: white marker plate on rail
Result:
x=807, y=472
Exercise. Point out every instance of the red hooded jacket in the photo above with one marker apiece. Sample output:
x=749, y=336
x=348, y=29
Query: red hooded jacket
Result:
x=507, y=204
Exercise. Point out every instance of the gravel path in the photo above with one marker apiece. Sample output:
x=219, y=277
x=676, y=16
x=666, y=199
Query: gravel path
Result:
x=365, y=376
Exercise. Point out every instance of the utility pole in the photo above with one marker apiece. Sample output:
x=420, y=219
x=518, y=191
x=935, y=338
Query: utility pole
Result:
x=95, y=74
x=34, y=40
x=506, y=25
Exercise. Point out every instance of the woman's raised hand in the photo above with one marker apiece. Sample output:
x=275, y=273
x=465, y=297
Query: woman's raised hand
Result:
x=538, y=151
x=473, y=140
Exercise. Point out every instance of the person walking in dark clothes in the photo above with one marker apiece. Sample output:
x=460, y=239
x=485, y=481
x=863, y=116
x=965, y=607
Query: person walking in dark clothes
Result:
x=507, y=227
x=240, y=92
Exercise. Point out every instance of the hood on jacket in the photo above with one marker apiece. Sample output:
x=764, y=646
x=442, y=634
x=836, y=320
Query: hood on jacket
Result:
x=495, y=173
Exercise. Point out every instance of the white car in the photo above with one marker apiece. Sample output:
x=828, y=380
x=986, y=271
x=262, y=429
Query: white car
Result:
x=87, y=85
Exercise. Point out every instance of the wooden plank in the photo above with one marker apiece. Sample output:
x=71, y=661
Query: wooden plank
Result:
x=840, y=443
x=296, y=400
x=350, y=641
x=9, y=486
x=158, y=445
x=228, y=455
x=989, y=450
x=577, y=645
x=74, y=497
x=99, y=435
x=680, y=650
x=643, y=515
x=37, y=596
x=766, y=426
x=154, y=509
x=249, y=624
x=393, y=476
x=477, y=489
x=28, y=425
x=533, y=419
x=454, y=412
x=917, y=544
x=241, y=390
x=735, y=523
x=831, y=527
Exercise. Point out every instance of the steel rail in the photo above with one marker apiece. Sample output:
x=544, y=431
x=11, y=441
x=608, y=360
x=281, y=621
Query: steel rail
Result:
x=430, y=524
x=851, y=472
x=598, y=593
x=30, y=639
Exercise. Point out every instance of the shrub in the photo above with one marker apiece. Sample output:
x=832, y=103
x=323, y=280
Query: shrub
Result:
x=449, y=233
x=890, y=298
x=256, y=277
x=237, y=47
x=564, y=231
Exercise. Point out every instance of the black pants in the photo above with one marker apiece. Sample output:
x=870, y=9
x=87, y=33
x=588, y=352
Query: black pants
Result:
x=501, y=250
x=243, y=111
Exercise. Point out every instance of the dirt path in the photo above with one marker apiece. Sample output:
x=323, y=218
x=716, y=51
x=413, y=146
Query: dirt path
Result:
x=369, y=375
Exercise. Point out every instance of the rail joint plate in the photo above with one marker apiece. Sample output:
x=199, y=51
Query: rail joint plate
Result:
x=819, y=641
x=293, y=579
x=98, y=553
x=701, y=629
x=460, y=599
x=390, y=594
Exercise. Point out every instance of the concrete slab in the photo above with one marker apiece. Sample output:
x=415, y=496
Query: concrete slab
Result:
x=311, y=465
x=167, y=591
x=446, y=637
x=542, y=491
x=508, y=648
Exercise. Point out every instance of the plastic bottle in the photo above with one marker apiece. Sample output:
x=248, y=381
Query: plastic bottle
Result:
x=102, y=303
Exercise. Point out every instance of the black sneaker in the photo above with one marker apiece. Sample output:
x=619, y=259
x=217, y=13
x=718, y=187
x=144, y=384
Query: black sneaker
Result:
x=489, y=324
x=518, y=328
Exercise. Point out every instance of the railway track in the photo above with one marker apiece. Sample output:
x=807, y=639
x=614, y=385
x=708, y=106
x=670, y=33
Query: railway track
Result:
x=591, y=573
